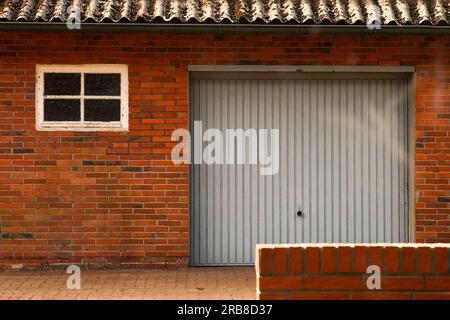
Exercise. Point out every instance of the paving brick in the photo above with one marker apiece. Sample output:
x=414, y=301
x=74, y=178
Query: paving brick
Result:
x=183, y=283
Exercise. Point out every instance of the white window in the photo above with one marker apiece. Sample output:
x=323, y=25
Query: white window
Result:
x=82, y=97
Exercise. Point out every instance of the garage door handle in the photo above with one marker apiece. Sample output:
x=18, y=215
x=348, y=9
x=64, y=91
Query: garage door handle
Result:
x=300, y=213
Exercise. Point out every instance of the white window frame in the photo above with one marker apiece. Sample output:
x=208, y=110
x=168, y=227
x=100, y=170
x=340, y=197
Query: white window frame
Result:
x=82, y=125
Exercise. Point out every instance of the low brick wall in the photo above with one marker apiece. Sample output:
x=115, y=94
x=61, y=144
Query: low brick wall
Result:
x=339, y=271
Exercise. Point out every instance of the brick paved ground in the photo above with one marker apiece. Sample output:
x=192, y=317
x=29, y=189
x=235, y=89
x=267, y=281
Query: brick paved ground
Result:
x=185, y=283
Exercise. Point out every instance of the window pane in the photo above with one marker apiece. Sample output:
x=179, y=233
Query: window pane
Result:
x=62, y=83
x=101, y=110
x=61, y=110
x=102, y=84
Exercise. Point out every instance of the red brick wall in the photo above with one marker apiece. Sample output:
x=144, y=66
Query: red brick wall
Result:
x=115, y=198
x=319, y=271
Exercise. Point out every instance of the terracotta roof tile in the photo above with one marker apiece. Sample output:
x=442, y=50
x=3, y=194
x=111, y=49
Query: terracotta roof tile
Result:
x=328, y=12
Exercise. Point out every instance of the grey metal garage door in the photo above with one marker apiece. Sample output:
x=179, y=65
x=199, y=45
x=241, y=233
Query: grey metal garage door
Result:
x=343, y=163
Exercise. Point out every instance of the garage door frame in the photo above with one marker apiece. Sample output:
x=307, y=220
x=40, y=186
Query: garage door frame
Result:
x=300, y=71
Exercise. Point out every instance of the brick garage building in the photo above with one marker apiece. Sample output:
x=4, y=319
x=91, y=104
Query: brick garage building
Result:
x=102, y=189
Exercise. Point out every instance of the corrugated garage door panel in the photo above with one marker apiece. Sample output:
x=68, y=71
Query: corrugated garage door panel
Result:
x=343, y=162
